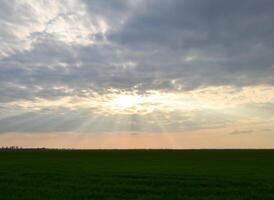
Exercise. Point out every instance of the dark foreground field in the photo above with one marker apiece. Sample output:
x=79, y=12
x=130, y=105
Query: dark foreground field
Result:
x=154, y=174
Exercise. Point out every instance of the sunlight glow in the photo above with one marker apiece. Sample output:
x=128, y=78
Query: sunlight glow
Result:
x=126, y=101
x=187, y=102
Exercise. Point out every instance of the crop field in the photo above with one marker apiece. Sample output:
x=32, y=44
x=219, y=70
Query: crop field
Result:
x=137, y=174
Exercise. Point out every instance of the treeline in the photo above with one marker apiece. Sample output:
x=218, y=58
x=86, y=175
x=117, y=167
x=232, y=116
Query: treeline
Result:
x=18, y=148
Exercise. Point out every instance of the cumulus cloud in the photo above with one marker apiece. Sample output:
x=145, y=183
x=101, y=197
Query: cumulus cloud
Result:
x=26, y=22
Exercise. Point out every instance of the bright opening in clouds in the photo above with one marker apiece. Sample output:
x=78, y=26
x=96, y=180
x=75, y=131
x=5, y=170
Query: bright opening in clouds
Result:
x=137, y=74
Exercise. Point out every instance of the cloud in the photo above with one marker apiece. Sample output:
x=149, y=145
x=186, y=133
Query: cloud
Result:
x=194, y=64
x=25, y=23
x=202, y=43
x=174, y=45
x=238, y=132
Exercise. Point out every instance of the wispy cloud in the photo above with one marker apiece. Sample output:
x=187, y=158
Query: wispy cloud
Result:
x=237, y=132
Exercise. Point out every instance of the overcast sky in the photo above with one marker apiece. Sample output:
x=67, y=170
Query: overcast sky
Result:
x=137, y=73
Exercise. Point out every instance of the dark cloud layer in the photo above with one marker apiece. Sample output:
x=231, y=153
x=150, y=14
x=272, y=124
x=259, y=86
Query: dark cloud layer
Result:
x=204, y=43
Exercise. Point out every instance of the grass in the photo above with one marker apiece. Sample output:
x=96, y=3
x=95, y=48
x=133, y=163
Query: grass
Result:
x=132, y=174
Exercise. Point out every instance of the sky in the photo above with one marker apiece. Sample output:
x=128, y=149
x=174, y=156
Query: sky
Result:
x=137, y=73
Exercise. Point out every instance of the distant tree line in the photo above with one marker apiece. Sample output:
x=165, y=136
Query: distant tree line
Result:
x=15, y=148
x=10, y=148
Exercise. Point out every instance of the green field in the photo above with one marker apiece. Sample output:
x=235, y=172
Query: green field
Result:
x=132, y=174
